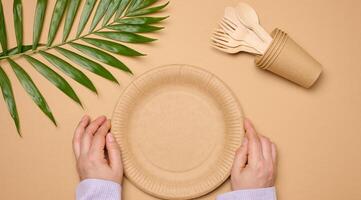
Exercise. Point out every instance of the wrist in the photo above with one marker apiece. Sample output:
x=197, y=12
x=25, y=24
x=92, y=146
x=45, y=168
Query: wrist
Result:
x=268, y=193
x=115, y=179
x=251, y=187
x=100, y=181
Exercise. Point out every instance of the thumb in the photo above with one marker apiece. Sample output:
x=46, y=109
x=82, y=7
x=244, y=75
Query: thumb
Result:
x=113, y=151
x=240, y=159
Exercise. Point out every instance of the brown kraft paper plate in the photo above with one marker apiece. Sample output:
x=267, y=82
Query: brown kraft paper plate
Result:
x=178, y=128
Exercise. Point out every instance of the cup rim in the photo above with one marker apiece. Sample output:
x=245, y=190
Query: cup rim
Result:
x=279, y=36
x=277, y=52
x=261, y=59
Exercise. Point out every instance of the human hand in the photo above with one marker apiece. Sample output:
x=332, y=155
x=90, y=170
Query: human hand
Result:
x=254, y=165
x=96, y=152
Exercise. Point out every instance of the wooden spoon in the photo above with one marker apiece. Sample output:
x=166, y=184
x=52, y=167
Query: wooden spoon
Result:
x=249, y=17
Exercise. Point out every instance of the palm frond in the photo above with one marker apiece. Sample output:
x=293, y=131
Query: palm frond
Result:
x=122, y=7
x=69, y=70
x=53, y=77
x=18, y=23
x=137, y=12
x=70, y=16
x=111, y=10
x=101, y=56
x=87, y=10
x=112, y=47
x=9, y=98
x=100, y=12
x=38, y=21
x=123, y=21
x=30, y=87
x=58, y=12
x=3, y=36
x=140, y=20
x=145, y=3
x=87, y=64
x=134, y=28
x=124, y=37
x=15, y=50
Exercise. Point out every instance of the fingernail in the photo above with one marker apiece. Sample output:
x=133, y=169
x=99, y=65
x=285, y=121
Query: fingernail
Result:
x=247, y=123
x=110, y=137
x=248, y=126
x=84, y=118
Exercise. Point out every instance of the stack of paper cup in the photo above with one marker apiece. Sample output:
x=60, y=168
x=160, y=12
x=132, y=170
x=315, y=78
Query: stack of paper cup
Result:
x=286, y=58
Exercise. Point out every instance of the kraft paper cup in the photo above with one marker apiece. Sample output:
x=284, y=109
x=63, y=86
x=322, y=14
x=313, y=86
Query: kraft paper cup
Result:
x=278, y=36
x=278, y=48
x=289, y=60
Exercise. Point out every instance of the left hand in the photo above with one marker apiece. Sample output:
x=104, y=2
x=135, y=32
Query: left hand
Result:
x=96, y=152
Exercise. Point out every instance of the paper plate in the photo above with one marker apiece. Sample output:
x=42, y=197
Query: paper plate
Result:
x=178, y=128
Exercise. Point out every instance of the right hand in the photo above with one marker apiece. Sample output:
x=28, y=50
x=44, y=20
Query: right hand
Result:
x=254, y=164
x=96, y=152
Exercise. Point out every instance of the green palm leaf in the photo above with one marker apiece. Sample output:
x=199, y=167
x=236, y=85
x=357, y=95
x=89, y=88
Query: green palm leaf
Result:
x=9, y=98
x=69, y=19
x=101, y=56
x=87, y=10
x=38, y=21
x=122, y=17
x=87, y=64
x=147, y=11
x=99, y=13
x=31, y=89
x=144, y=4
x=54, y=78
x=134, y=28
x=69, y=70
x=125, y=37
x=112, y=47
x=3, y=36
x=15, y=50
x=111, y=10
x=141, y=20
x=18, y=23
x=122, y=6
x=133, y=5
x=59, y=9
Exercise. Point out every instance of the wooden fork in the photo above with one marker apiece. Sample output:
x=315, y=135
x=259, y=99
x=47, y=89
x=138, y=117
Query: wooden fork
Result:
x=224, y=42
x=242, y=33
x=234, y=50
x=221, y=37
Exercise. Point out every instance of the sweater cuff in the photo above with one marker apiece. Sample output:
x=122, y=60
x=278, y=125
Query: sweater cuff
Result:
x=95, y=189
x=250, y=194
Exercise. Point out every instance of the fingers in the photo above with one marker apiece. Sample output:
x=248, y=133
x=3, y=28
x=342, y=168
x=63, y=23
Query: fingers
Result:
x=274, y=153
x=113, y=152
x=254, y=144
x=87, y=137
x=78, y=134
x=98, y=142
x=240, y=158
x=266, y=148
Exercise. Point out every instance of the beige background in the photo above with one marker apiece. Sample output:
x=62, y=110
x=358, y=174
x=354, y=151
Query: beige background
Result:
x=317, y=131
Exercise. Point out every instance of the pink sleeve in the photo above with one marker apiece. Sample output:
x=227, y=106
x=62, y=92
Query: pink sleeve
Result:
x=97, y=189
x=250, y=194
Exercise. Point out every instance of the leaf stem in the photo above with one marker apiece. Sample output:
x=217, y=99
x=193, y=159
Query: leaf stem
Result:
x=57, y=45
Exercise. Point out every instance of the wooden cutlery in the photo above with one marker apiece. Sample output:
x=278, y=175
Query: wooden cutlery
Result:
x=240, y=31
